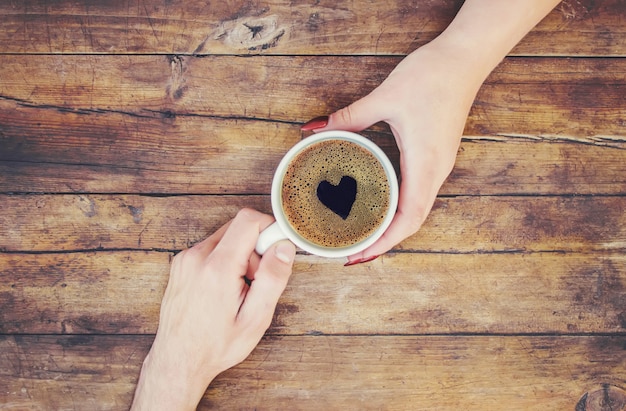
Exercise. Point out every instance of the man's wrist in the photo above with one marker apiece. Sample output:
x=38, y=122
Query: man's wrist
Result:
x=167, y=384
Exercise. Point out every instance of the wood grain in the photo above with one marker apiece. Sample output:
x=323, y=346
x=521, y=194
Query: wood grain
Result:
x=130, y=130
x=400, y=293
x=581, y=27
x=120, y=123
x=70, y=372
x=330, y=372
x=45, y=223
x=547, y=96
x=215, y=164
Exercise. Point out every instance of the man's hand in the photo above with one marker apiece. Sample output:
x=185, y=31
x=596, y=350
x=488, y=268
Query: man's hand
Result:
x=219, y=302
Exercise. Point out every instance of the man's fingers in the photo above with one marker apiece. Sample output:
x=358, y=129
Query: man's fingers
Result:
x=237, y=244
x=208, y=244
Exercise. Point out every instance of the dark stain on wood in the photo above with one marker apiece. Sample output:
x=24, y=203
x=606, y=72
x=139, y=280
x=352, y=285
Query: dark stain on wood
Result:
x=314, y=22
x=87, y=205
x=255, y=30
x=283, y=310
x=176, y=86
x=7, y=304
x=74, y=340
x=137, y=213
x=599, y=288
x=94, y=325
x=273, y=42
x=573, y=217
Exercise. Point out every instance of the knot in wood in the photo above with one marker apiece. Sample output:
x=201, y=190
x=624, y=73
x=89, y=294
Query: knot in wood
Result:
x=252, y=33
x=607, y=398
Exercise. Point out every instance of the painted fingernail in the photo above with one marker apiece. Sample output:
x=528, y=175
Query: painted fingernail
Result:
x=361, y=260
x=317, y=122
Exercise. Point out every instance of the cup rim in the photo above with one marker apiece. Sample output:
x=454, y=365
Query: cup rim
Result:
x=276, y=194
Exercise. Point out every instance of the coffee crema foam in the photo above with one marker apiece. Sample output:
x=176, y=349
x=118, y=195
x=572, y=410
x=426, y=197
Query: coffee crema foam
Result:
x=330, y=160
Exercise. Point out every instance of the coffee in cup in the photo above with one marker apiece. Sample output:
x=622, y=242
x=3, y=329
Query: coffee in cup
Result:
x=333, y=195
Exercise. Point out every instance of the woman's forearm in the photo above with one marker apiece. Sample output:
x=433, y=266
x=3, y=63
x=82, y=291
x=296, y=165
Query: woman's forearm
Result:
x=484, y=31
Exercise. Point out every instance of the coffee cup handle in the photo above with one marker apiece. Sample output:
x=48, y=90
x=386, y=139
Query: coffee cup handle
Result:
x=268, y=237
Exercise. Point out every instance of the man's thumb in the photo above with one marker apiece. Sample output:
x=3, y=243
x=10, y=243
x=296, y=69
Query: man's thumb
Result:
x=275, y=268
x=269, y=283
x=285, y=252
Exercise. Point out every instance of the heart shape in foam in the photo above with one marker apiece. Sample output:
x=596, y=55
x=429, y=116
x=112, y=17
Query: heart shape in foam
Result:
x=338, y=198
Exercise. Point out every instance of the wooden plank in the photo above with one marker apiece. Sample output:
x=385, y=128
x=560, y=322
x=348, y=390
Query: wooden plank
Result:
x=70, y=372
x=111, y=293
x=583, y=27
x=109, y=124
x=116, y=222
x=400, y=293
x=571, y=97
x=426, y=373
x=115, y=153
x=46, y=223
x=99, y=153
x=215, y=163
x=313, y=372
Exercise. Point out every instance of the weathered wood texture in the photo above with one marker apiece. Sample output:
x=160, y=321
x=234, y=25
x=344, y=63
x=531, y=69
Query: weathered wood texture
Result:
x=130, y=130
x=218, y=158
x=45, y=223
x=576, y=27
x=326, y=372
x=403, y=293
x=118, y=124
x=571, y=97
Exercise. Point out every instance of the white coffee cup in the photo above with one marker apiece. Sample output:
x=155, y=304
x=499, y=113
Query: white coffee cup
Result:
x=281, y=229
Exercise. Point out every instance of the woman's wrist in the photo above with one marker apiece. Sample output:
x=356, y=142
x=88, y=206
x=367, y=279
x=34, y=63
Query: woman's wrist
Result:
x=458, y=63
x=485, y=31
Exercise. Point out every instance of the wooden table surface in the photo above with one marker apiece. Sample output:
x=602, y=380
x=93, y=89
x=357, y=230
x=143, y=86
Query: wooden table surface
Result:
x=130, y=130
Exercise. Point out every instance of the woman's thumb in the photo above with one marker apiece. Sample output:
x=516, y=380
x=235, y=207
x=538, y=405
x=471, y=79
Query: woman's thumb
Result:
x=356, y=117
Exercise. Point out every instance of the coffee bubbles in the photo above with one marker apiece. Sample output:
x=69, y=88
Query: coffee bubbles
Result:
x=335, y=193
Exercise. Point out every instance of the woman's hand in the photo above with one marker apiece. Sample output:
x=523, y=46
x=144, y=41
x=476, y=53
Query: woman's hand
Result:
x=426, y=100
x=219, y=302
